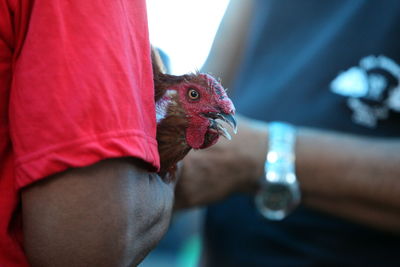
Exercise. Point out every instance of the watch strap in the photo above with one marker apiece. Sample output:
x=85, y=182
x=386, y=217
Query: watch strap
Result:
x=279, y=193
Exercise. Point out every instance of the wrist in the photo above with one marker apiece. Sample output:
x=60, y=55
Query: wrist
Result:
x=279, y=191
x=256, y=150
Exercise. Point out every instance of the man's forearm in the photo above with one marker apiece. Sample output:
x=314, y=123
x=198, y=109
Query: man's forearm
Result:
x=370, y=214
x=354, y=177
x=108, y=214
x=342, y=165
x=351, y=176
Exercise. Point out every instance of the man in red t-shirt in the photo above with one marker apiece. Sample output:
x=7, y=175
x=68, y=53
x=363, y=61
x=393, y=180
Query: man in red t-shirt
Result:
x=77, y=135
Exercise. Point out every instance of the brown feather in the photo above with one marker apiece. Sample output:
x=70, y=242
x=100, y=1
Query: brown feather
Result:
x=172, y=145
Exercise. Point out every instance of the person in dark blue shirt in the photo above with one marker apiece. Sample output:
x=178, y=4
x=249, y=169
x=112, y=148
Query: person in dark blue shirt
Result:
x=331, y=69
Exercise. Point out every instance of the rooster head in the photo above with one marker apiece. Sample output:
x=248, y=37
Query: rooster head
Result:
x=205, y=104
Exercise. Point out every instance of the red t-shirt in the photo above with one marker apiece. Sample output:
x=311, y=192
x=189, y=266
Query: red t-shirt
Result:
x=75, y=87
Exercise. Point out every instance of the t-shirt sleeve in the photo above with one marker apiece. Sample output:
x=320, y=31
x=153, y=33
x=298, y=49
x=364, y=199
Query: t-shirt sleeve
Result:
x=82, y=87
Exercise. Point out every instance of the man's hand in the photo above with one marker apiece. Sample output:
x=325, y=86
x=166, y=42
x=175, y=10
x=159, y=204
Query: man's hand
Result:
x=229, y=166
x=109, y=214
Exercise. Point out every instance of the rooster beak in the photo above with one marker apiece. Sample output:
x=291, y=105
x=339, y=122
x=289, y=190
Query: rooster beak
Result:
x=220, y=129
x=229, y=119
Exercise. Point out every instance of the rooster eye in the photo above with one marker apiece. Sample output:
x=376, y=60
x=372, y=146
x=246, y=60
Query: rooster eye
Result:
x=193, y=94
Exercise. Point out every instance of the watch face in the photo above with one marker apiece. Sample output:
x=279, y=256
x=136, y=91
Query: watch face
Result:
x=277, y=196
x=276, y=200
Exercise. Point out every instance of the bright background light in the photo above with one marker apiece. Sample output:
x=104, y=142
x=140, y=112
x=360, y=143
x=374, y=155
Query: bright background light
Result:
x=184, y=30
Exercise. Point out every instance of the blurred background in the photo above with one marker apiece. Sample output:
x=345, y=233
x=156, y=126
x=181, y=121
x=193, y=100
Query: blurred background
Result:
x=184, y=31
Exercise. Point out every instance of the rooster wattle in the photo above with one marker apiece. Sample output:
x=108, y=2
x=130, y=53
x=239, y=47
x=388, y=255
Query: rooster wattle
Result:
x=188, y=108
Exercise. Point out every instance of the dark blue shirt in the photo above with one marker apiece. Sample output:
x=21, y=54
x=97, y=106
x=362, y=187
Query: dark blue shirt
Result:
x=325, y=64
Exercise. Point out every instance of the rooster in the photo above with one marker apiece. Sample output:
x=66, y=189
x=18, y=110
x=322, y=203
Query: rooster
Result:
x=187, y=109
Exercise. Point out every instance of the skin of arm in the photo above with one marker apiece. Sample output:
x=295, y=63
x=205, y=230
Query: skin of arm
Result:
x=353, y=177
x=350, y=176
x=111, y=213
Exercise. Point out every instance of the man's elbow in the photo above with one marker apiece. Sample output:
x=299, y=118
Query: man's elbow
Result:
x=152, y=221
x=109, y=214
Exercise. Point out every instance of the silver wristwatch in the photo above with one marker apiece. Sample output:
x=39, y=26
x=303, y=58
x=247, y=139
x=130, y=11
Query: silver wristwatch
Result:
x=279, y=191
